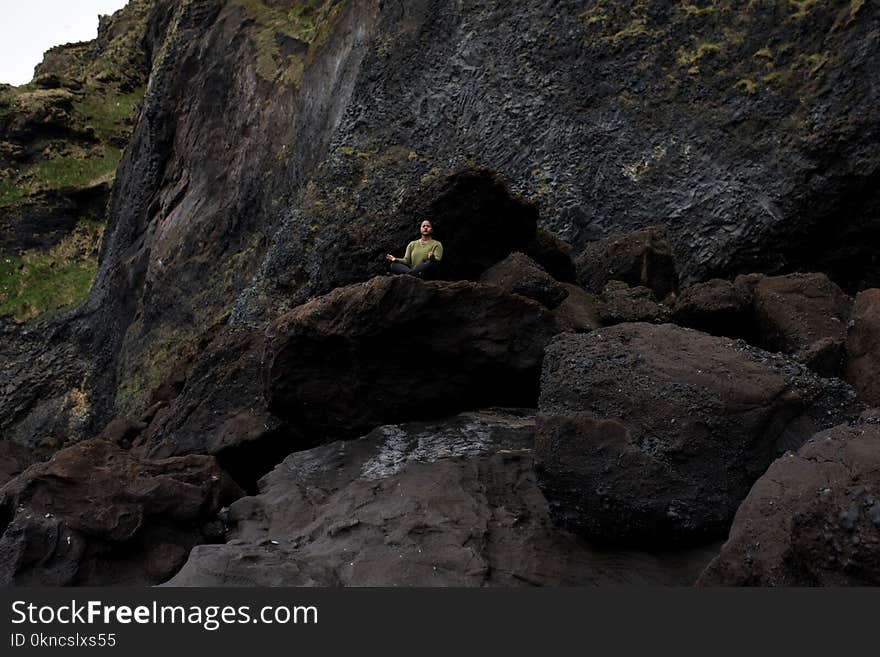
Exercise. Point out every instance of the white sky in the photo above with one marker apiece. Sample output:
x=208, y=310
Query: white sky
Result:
x=28, y=28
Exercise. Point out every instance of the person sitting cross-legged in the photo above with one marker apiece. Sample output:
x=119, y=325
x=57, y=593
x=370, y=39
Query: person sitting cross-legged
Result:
x=422, y=256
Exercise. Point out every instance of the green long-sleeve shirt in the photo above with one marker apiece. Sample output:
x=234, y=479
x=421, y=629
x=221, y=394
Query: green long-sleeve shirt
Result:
x=418, y=251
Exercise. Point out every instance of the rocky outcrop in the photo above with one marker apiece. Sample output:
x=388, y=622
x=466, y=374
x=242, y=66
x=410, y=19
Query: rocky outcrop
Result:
x=519, y=274
x=94, y=515
x=652, y=435
x=803, y=315
x=639, y=259
x=396, y=348
x=446, y=503
x=863, y=347
x=812, y=520
x=283, y=147
x=311, y=189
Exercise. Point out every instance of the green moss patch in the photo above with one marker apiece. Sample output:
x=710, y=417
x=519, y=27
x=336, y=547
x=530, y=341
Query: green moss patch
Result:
x=151, y=367
x=37, y=283
x=107, y=112
x=302, y=22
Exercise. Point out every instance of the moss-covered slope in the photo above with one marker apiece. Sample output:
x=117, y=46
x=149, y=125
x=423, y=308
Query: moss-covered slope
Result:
x=61, y=139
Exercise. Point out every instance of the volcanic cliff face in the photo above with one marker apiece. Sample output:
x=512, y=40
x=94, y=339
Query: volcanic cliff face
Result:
x=283, y=147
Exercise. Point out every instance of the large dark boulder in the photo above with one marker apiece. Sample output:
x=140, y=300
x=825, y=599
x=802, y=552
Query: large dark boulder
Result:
x=396, y=348
x=812, y=520
x=641, y=258
x=221, y=410
x=519, y=274
x=803, y=315
x=94, y=515
x=446, y=503
x=652, y=435
x=863, y=346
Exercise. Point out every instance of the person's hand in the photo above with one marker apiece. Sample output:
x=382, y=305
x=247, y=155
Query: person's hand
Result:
x=390, y=257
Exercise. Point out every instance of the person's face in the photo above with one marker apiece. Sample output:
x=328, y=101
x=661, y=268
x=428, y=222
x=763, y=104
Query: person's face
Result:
x=427, y=229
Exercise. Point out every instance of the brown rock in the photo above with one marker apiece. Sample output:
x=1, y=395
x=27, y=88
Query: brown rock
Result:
x=652, y=435
x=95, y=515
x=812, y=520
x=121, y=431
x=579, y=311
x=717, y=307
x=621, y=303
x=863, y=346
x=641, y=258
x=519, y=274
x=397, y=348
x=554, y=255
x=803, y=315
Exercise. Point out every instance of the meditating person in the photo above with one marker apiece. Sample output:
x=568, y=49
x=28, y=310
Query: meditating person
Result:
x=422, y=255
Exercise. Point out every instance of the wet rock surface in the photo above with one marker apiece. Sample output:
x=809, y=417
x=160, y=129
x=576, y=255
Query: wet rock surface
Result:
x=812, y=520
x=447, y=503
x=396, y=348
x=652, y=435
x=94, y=515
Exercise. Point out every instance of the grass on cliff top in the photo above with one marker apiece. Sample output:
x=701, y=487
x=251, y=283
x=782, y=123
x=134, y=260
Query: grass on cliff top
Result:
x=60, y=173
x=36, y=283
x=107, y=112
x=68, y=172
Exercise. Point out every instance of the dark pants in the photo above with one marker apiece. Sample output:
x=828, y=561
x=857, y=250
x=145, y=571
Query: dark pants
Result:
x=424, y=270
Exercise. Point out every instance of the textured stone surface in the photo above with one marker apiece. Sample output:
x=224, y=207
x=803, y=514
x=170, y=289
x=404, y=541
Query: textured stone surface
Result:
x=718, y=307
x=621, y=303
x=803, y=315
x=863, y=346
x=519, y=274
x=642, y=258
x=607, y=121
x=652, y=435
x=447, y=503
x=579, y=311
x=812, y=520
x=94, y=515
x=396, y=348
